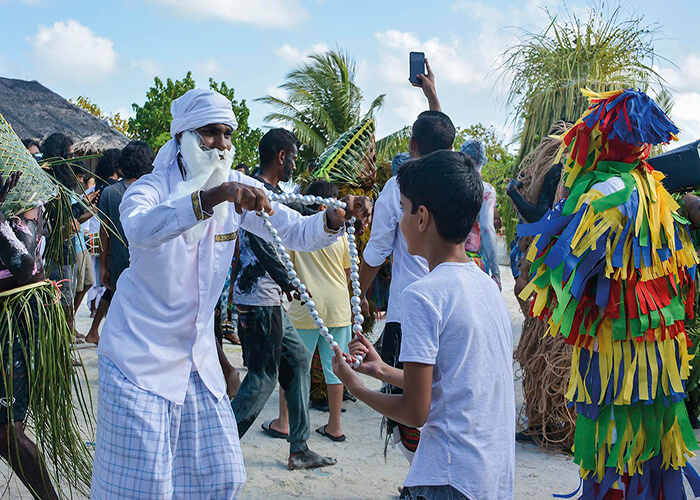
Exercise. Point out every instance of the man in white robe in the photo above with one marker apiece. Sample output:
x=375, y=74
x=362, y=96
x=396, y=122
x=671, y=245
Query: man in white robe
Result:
x=165, y=428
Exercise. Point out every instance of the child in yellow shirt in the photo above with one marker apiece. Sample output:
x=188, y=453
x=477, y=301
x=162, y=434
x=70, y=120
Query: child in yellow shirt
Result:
x=325, y=273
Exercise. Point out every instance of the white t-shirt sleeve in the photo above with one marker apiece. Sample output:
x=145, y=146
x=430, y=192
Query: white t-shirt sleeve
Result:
x=421, y=324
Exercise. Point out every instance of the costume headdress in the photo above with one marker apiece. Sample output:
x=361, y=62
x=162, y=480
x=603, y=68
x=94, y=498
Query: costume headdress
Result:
x=613, y=272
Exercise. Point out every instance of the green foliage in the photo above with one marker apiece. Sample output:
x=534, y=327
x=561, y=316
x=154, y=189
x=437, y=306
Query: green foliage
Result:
x=500, y=161
x=322, y=102
x=610, y=49
x=115, y=121
x=152, y=120
x=606, y=51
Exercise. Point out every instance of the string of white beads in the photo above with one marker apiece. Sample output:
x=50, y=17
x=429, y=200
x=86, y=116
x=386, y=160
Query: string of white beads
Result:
x=286, y=259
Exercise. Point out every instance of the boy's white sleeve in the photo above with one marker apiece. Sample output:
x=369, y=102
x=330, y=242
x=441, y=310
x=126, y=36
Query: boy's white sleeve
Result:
x=420, y=329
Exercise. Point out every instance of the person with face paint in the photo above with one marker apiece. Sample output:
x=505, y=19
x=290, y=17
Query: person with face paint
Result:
x=165, y=428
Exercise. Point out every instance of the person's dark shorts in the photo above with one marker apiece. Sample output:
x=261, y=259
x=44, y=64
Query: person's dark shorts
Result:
x=14, y=403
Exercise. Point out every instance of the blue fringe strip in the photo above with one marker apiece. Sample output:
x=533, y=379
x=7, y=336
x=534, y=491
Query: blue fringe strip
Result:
x=633, y=118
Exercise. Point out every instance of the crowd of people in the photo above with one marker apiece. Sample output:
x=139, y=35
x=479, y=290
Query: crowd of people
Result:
x=175, y=252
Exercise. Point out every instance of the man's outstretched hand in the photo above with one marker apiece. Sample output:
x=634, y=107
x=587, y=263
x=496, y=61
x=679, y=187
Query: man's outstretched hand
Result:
x=242, y=196
x=357, y=206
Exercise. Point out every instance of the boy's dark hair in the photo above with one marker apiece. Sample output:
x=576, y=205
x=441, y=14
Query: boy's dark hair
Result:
x=107, y=165
x=56, y=146
x=274, y=141
x=448, y=185
x=136, y=159
x=323, y=189
x=433, y=131
x=28, y=143
x=244, y=167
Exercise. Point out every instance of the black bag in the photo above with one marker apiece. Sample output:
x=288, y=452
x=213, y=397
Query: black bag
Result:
x=681, y=167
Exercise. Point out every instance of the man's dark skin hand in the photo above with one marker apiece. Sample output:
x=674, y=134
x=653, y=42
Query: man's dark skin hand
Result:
x=244, y=197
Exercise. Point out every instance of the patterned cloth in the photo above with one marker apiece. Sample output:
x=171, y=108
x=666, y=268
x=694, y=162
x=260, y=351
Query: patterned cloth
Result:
x=431, y=493
x=151, y=448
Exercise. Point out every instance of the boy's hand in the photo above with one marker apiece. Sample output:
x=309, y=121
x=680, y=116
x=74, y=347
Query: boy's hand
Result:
x=342, y=369
x=427, y=83
x=372, y=364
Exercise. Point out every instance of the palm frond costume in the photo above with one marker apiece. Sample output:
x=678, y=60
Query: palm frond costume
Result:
x=544, y=360
x=35, y=335
x=613, y=271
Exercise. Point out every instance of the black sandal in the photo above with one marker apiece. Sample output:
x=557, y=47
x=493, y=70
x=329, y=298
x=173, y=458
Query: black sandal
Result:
x=338, y=439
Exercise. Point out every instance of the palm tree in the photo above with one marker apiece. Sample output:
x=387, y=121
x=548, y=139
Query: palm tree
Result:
x=322, y=101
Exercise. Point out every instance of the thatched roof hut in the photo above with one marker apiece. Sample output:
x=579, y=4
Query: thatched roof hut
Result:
x=36, y=112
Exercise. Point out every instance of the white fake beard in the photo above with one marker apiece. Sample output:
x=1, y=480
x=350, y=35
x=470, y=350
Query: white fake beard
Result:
x=204, y=170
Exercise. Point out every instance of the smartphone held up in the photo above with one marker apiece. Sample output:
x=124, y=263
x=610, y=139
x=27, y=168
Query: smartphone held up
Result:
x=416, y=67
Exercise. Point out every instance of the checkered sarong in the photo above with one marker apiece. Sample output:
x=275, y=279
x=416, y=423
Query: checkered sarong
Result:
x=151, y=448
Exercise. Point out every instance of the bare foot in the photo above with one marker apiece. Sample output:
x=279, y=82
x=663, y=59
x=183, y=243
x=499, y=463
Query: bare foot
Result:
x=309, y=460
x=93, y=337
x=233, y=382
x=79, y=335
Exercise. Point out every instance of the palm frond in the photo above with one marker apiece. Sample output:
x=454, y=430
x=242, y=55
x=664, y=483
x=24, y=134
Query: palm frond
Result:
x=322, y=101
x=351, y=159
x=392, y=144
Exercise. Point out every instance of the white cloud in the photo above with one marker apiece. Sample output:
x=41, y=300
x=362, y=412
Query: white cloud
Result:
x=684, y=83
x=149, y=67
x=264, y=13
x=209, y=68
x=277, y=92
x=294, y=55
x=454, y=62
x=73, y=52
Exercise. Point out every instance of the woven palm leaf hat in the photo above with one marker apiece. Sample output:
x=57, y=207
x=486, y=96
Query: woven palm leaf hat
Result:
x=36, y=186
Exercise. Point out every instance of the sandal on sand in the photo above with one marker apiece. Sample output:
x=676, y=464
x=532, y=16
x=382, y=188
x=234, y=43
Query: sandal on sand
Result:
x=272, y=432
x=338, y=439
x=233, y=338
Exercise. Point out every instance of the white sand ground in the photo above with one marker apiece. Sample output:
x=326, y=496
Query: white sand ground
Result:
x=362, y=471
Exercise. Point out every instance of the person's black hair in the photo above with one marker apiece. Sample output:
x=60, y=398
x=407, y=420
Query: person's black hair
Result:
x=28, y=143
x=433, y=131
x=244, y=166
x=136, y=159
x=448, y=185
x=56, y=146
x=274, y=141
x=324, y=189
x=107, y=165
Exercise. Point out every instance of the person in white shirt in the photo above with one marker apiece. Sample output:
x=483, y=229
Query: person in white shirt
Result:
x=165, y=427
x=432, y=131
x=457, y=345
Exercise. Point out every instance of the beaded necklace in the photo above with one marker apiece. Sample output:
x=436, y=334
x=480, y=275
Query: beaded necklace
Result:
x=301, y=287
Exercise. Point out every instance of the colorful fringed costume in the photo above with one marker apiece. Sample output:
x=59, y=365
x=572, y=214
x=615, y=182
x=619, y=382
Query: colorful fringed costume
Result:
x=613, y=272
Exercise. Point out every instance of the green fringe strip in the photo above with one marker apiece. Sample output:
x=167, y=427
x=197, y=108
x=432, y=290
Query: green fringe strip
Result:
x=59, y=395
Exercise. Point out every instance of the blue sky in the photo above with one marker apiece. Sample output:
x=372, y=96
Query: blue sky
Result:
x=110, y=50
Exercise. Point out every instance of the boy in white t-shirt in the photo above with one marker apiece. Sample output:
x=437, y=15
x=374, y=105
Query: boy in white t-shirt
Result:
x=456, y=349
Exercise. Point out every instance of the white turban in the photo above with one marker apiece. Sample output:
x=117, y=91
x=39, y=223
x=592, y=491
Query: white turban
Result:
x=195, y=109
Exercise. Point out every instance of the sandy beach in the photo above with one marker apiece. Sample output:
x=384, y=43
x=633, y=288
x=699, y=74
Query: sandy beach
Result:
x=362, y=471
